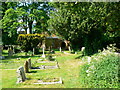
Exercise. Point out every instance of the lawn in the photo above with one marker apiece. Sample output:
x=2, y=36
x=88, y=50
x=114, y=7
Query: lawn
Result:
x=69, y=71
x=75, y=70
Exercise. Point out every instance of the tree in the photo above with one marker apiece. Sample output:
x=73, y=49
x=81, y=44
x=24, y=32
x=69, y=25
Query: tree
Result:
x=23, y=14
x=86, y=24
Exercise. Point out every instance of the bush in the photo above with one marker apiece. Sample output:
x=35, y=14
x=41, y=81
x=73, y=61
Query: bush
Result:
x=101, y=71
x=29, y=41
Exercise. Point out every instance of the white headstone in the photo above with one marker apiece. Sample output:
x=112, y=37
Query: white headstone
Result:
x=60, y=49
x=69, y=48
x=43, y=52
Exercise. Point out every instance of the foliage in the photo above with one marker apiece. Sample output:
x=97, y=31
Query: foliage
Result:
x=31, y=17
x=86, y=24
x=29, y=41
x=9, y=26
x=101, y=71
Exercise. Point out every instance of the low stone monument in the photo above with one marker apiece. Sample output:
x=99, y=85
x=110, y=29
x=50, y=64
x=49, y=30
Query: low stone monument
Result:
x=26, y=67
x=29, y=63
x=20, y=75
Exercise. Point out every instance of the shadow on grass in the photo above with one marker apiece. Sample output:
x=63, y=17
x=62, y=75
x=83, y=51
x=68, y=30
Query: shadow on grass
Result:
x=13, y=57
x=33, y=72
x=52, y=59
x=79, y=57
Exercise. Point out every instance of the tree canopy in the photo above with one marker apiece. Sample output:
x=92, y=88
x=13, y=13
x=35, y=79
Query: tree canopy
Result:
x=31, y=17
x=86, y=24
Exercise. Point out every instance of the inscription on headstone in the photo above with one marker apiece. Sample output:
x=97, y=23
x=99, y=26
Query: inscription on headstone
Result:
x=20, y=75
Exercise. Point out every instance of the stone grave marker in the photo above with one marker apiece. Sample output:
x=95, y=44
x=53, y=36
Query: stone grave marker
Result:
x=10, y=51
x=43, y=55
x=1, y=57
x=26, y=67
x=20, y=75
x=60, y=49
x=69, y=48
x=33, y=52
x=29, y=63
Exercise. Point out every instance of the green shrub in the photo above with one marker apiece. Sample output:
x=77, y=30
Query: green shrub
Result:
x=29, y=41
x=101, y=71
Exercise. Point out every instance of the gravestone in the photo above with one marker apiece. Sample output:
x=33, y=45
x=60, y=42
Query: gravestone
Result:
x=33, y=52
x=69, y=48
x=1, y=57
x=29, y=63
x=10, y=51
x=20, y=75
x=60, y=49
x=83, y=50
x=43, y=55
x=57, y=65
x=89, y=60
x=26, y=67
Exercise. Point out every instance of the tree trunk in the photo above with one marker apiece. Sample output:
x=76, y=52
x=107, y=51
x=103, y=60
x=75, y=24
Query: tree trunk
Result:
x=30, y=26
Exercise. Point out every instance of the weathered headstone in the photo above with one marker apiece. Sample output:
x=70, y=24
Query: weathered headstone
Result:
x=10, y=51
x=89, y=60
x=20, y=75
x=29, y=63
x=83, y=50
x=57, y=65
x=26, y=67
x=13, y=49
x=1, y=57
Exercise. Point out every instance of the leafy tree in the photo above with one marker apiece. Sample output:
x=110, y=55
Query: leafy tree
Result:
x=86, y=24
x=23, y=14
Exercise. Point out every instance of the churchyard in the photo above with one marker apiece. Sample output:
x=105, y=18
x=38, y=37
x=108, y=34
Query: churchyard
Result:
x=60, y=44
x=68, y=71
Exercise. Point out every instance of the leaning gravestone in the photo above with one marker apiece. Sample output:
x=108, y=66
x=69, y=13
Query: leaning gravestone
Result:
x=20, y=75
x=26, y=67
x=29, y=63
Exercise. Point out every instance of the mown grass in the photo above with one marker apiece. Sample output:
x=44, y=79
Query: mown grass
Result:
x=73, y=71
x=69, y=67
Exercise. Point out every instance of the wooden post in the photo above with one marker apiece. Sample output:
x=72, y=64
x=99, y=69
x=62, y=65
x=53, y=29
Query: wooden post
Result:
x=26, y=67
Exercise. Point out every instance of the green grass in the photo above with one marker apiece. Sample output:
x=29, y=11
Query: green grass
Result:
x=69, y=67
x=72, y=71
